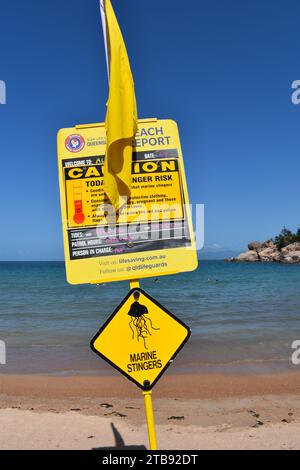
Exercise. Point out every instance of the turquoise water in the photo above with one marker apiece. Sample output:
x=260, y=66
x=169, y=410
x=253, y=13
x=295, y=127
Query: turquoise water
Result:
x=243, y=317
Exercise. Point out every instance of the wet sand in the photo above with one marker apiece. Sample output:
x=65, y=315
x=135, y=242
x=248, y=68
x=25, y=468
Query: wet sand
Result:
x=170, y=386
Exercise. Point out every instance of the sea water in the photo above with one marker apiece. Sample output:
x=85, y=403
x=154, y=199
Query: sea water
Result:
x=244, y=317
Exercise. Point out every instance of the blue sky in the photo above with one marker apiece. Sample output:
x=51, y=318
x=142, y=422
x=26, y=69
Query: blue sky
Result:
x=222, y=69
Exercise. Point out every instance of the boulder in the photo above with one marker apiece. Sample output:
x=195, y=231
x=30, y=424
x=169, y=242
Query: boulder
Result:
x=250, y=255
x=290, y=257
x=292, y=247
x=269, y=254
x=254, y=246
x=269, y=244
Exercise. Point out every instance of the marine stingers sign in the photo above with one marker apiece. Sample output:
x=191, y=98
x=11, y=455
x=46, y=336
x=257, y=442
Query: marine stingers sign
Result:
x=153, y=233
x=140, y=339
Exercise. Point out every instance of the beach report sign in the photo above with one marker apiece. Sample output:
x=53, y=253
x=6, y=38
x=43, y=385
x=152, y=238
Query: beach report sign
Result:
x=152, y=235
x=145, y=337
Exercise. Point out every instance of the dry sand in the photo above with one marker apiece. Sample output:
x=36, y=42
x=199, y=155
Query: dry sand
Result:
x=191, y=412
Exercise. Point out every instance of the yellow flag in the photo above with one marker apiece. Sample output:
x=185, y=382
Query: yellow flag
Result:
x=121, y=117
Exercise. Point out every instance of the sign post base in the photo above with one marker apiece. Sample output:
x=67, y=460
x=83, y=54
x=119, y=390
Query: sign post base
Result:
x=150, y=420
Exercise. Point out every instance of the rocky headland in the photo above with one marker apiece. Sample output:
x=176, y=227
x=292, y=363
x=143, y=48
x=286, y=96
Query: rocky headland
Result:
x=270, y=252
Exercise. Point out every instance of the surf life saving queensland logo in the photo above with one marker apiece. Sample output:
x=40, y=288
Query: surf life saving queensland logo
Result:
x=75, y=143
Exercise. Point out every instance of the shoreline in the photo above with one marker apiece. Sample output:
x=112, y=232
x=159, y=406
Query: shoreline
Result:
x=188, y=386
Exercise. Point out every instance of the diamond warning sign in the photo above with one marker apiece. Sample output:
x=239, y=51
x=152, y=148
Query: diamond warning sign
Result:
x=140, y=339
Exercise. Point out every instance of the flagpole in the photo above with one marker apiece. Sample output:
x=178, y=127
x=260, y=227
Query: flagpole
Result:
x=104, y=27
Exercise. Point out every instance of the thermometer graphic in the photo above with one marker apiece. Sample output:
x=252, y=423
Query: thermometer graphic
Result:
x=79, y=216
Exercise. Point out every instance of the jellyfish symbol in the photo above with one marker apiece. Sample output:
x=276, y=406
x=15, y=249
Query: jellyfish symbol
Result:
x=140, y=324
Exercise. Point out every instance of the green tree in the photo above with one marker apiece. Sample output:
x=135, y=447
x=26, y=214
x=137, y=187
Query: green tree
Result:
x=286, y=237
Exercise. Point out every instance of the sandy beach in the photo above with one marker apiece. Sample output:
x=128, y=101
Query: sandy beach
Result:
x=191, y=412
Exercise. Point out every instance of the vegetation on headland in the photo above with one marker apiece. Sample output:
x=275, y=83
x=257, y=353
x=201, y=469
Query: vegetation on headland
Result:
x=286, y=237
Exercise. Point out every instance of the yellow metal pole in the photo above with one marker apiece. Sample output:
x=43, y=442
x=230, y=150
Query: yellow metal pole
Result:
x=135, y=284
x=150, y=420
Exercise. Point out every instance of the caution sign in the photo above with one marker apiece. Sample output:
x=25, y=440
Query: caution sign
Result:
x=153, y=183
x=152, y=234
x=140, y=339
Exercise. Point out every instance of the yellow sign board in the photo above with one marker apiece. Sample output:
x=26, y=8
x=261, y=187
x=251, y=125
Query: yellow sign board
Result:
x=140, y=339
x=153, y=233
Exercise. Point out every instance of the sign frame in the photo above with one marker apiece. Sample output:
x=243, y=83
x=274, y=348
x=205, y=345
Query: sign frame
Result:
x=144, y=387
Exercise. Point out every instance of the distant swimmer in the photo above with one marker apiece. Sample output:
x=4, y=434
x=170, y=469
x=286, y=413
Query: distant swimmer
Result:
x=213, y=280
